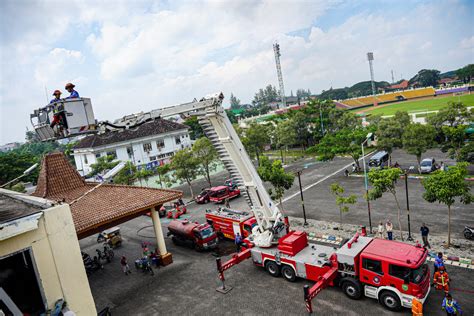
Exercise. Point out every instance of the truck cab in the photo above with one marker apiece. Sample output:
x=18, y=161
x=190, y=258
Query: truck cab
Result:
x=394, y=273
x=198, y=236
x=220, y=193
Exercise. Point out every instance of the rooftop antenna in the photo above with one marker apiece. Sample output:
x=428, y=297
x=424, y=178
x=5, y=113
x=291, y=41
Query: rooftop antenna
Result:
x=276, y=50
x=370, y=58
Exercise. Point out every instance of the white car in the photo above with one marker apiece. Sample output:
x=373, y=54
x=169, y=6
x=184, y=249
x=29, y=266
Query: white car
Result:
x=427, y=165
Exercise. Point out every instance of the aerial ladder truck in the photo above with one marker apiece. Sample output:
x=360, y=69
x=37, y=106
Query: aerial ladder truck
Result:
x=392, y=272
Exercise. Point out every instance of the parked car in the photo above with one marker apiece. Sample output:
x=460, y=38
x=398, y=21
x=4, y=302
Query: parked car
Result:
x=203, y=197
x=379, y=160
x=427, y=165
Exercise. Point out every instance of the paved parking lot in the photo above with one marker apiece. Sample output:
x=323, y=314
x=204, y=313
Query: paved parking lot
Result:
x=188, y=285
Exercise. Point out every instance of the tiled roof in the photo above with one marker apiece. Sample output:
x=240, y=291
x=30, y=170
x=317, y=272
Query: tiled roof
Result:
x=154, y=127
x=93, y=206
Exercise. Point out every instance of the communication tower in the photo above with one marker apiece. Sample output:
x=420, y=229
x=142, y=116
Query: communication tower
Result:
x=276, y=49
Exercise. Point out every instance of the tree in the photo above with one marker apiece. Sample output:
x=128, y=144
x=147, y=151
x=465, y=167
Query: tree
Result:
x=206, y=155
x=389, y=136
x=447, y=186
x=185, y=167
x=163, y=177
x=127, y=175
x=403, y=118
x=344, y=142
x=144, y=174
x=256, y=137
x=454, y=140
x=234, y=102
x=456, y=113
x=13, y=163
x=342, y=201
x=285, y=135
x=102, y=164
x=426, y=77
x=265, y=96
x=301, y=125
x=195, y=131
x=384, y=180
x=417, y=139
x=277, y=176
x=466, y=73
x=232, y=117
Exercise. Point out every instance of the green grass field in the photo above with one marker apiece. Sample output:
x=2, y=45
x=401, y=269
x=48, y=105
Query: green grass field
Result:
x=420, y=105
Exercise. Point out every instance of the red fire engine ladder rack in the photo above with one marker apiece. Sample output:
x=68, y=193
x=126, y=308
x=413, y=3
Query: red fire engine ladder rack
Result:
x=324, y=281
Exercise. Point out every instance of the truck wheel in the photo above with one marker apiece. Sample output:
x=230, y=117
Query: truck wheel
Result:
x=351, y=288
x=272, y=268
x=288, y=273
x=390, y=300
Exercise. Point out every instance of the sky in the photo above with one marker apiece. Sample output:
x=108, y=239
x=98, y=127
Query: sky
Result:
x=131, y=56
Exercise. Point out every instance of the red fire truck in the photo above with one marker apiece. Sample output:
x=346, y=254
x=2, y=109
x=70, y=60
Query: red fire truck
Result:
x=390, y=271
x=220, y=193
x=199, y=236
x=230, y=222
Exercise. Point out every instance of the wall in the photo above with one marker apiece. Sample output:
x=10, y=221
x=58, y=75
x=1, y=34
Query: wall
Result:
x=139, y=156
x=56, y=252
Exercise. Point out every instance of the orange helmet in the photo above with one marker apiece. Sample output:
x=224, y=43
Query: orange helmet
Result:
x=56, y=92
x=69, y=85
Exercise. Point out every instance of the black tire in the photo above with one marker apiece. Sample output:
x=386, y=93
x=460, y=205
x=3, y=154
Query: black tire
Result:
x=272, y=268
x=390, y=301
x=351, y=288
x=288, y=273
x=467, y=235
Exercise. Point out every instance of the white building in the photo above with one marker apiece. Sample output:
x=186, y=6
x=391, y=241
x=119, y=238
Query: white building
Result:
x=150, y=144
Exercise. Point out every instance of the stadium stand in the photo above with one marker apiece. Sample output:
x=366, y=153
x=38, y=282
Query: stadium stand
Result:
x=452, y=90
x=388, y=97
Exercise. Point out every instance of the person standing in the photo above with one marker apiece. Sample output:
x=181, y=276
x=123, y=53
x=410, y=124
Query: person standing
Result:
x=125, y=266
x=424, y=235
x=238, y=241
x=73, y=93
x=389, y=229
x=451, y=307
x=226, y=203
x=380, y=230
x=441, y=280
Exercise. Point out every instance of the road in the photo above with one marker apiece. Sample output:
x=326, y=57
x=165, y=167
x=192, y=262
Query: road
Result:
x=188, y=285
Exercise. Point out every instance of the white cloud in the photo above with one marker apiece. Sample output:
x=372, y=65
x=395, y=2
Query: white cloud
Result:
x=133, y=56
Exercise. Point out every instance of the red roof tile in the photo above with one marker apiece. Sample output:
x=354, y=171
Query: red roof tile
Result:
x=94, y=206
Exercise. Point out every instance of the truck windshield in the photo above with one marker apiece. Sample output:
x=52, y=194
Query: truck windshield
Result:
x=417, y=274
x=207, y=232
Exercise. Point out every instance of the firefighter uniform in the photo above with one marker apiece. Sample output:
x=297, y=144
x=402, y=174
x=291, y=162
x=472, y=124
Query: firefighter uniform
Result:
x=441, y=280
x=416, y=307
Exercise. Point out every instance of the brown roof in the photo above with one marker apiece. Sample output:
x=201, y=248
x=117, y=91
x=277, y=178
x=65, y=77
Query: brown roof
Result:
x=94, y=207
x=154, y=127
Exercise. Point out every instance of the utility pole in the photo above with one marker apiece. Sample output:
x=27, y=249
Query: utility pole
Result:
x=367, y=181
x=302, y=199
x=276, y=50
x=408, y=205
x=393, y=78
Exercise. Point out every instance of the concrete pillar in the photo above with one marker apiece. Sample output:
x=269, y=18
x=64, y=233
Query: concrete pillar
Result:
x=166, y=257
x=160, y=239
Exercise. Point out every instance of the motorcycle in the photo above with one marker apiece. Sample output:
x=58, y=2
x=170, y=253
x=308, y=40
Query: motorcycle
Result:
x=468, y=232
x=90, y=264
x=144, y=265
x=106, y=255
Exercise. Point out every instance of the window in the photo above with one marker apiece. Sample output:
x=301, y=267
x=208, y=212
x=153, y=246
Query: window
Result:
x=130, y=152
x=112, y=153
x=85, y=159
x=372, y=265
x=178, y=140
x=399, y=272
x=160, y=143
x=152, y=158
x=147, y=147
x=97, y=155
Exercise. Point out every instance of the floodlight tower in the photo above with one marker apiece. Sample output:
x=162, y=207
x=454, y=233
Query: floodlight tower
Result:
x=370, y=58
x=276, y=50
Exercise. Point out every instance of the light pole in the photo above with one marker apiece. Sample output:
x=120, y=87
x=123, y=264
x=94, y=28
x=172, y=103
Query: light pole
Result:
x=302, y=199
x=321, y=119
x=366, y=180
x=408, y=203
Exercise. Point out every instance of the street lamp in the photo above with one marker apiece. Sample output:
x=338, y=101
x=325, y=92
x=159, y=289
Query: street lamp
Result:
x=369, y=136
x=321, y=119
x=302, y=199
x=408, y=204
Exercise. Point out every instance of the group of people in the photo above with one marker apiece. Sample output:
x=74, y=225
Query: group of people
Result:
x=59, y=115
x=388, y=227
x=441, y=281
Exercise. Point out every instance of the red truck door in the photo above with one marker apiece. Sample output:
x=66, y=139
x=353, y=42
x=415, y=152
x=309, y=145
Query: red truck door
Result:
x=372, y=272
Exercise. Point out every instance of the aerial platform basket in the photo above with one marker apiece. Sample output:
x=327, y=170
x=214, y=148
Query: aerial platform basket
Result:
x=77, y=114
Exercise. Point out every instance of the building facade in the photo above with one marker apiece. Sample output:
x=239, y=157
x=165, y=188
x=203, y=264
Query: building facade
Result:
x=149, y=145
x=40, y=258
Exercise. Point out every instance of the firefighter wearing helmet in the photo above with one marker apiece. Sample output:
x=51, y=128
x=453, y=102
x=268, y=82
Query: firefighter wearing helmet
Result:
x=73, y=93
x=441, y=279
